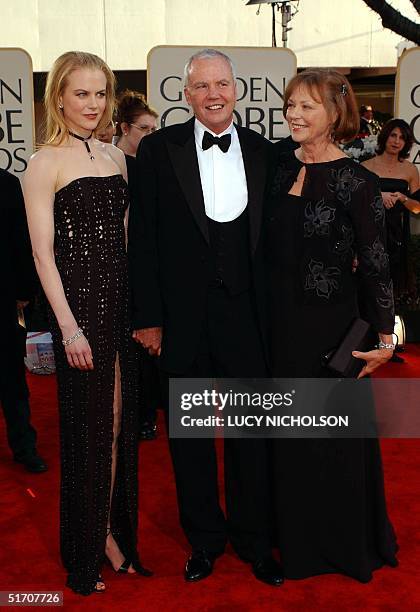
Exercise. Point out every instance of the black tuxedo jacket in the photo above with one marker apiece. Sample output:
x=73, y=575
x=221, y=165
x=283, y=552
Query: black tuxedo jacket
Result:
x=169, y=248
x=17, y=282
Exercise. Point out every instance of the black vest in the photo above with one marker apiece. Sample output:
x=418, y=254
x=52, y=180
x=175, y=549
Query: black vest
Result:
x=231, y=252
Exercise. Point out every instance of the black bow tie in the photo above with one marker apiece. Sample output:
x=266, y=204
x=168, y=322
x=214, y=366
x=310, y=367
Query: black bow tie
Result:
x=223, y=142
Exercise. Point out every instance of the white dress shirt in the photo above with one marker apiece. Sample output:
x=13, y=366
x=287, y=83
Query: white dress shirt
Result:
x=223, y=178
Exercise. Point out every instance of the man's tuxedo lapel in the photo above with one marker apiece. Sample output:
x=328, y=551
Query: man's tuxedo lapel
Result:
x=255, y=170
x=183, y=155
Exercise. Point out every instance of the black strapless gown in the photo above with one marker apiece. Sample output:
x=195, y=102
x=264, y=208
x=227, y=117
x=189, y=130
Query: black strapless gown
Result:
x=397, y=221
x=330, y=512
x=91, y=258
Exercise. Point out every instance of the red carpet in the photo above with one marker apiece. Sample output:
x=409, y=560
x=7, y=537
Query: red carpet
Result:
x=29, y=558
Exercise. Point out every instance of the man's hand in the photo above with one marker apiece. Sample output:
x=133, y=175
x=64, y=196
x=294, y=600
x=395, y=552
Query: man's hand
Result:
x=150, y=338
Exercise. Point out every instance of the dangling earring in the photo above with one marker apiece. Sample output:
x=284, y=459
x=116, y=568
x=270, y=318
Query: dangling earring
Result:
x=60, y=106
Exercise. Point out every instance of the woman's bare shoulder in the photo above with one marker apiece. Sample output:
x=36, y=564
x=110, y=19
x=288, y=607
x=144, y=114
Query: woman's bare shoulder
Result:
x=116, y=155
x=409, y=167
x=370, y=164
x=113, y=151
x=45, y=154
x=44, y=163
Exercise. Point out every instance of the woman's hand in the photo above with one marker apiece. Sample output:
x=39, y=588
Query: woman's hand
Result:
x=410, y=203
x=389, y=199
x=399, y=196
x=79, y=354
x=374, y=359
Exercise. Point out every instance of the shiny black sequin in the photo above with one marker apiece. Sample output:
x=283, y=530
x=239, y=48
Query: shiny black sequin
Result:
x=91, y=258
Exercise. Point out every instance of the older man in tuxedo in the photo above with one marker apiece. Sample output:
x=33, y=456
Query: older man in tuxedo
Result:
x=195, y=272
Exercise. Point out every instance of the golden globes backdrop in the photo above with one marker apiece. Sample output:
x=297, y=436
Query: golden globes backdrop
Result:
x=407, y=95
x=16, y=110
x=262, y=76
x=407, y=103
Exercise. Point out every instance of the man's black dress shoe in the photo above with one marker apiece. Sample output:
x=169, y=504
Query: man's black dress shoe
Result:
x=33, y=463
x=268, y=571
x=199, y=565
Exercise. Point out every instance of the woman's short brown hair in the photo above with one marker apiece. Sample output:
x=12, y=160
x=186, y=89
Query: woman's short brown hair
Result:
x=407, y=134
x=332, y=89
x=131, y=105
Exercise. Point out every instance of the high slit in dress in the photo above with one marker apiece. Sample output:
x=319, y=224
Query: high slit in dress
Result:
x=90, y=253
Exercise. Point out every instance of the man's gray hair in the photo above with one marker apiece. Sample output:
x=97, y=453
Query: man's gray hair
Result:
x=207, y=54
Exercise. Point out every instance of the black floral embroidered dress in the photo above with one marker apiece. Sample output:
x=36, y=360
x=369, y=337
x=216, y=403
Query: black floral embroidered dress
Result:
x=343, y=215
x=330, y=513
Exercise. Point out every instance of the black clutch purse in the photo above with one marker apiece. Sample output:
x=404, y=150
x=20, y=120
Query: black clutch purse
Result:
x=359, y=337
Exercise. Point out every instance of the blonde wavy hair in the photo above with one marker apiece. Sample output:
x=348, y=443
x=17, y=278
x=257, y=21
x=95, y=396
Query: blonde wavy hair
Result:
x=56, y=130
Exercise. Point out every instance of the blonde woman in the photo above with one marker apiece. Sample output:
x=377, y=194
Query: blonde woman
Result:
x=77, y=205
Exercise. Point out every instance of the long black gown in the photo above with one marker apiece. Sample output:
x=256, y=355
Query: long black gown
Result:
x=330, y=512
x=397, y=220
x=91, y=258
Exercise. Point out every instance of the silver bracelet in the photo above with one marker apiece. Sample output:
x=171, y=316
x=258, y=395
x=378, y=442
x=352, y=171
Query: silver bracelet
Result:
x=385, y=345
x=74, y=337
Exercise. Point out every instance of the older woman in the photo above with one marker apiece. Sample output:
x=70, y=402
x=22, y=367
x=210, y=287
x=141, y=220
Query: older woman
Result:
x=322, y=210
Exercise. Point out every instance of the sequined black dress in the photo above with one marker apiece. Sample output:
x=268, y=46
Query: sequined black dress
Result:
x=91, y=259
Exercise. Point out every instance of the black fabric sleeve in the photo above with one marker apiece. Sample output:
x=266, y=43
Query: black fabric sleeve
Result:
x=368, y=218
x=143, y=244
x=25, y=277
